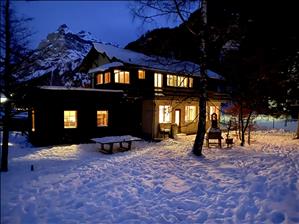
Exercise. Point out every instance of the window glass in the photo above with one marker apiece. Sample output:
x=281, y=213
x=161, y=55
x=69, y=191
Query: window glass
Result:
x=141, y=74
x=121, y=76
x=99, y=79
x=158, y=80
x=102, y=118
x=70, y=119
x=164, y=114
x=190, y=82
x=107, y=77
x=33, y=120
x=190, y=113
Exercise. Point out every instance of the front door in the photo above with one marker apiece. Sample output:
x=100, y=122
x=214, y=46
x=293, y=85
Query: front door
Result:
x=177, y=117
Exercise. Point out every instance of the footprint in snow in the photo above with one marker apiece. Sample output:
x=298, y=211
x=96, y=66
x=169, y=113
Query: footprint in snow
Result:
x=277, y=217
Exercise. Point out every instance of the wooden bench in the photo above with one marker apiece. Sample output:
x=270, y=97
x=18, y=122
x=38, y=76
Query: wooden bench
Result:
x=165, y=128
x=124, y=141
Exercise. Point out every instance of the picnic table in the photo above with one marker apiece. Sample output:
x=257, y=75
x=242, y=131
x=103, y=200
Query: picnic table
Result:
x=124, y=141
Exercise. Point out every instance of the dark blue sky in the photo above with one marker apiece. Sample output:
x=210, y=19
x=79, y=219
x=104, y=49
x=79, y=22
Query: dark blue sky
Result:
x=109, y=21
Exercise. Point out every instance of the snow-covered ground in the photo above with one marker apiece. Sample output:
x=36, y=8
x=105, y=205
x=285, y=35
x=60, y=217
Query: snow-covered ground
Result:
x=154, y=183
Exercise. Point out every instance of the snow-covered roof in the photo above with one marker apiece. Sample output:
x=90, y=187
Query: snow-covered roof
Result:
x=105, y=67
x=151, y=62
x=79, y=89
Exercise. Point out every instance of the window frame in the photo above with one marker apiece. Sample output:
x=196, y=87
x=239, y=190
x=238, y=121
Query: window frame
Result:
x=75, y=116
x=167, y=109
x=158, y=80
x=107, y=77
x=141, y=74
x=121, y=77
x=33, y=120
x=106, y=119
x=99, y=79
x=188, y=116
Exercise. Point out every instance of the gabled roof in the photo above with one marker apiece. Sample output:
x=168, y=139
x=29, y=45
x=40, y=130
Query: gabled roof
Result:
x=148, y=62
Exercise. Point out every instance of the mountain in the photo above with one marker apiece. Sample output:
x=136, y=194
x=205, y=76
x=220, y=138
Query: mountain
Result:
x=56, y=59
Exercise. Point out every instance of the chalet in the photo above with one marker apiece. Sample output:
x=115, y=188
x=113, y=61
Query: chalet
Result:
x=131, y=93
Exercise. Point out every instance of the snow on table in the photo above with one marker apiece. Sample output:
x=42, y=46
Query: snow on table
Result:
x=111, y=140
x=154, y=183
x=115, y=139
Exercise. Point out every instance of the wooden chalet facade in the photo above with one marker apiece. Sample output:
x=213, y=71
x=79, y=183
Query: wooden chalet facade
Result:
x=131, y=93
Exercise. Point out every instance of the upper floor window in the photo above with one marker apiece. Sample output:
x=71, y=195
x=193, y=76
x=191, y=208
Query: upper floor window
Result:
x=190, y=113
x=182, y=81
x=164, y=114
x=102, y=118
x=179, y=81
x=107, y=78
x=121, y=76
x=190, y=82
x=141, y=74
x=33, y=120
x=99, y=79
x=70, y=119
x=158, y=80
x=171, y=80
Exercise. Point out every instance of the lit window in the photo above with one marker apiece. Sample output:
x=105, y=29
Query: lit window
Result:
x=121, y=76
x=190, y=113
x=179, y=81
x=158, y=80
x=107, y=77
x=70, y=119
x=141, y=74
x=102, y=118
x=182, y=81
x=190, y=82
x=99, y=79
x=164, y=114
x=33, y=120
x=172, y=80
x=213, y=109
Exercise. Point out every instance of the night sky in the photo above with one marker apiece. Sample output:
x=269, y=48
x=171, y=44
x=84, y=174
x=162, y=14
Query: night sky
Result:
x=109, y=21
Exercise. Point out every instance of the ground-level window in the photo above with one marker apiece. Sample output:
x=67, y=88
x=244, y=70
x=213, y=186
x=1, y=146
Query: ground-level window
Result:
x=141, y=74
x=213, y=109
x=190, y=113
x=158, y=80
x=70, y=119
x=102, y=118
x=121, y=76
x=99, y=79
x=33, y=120
x=164, y=114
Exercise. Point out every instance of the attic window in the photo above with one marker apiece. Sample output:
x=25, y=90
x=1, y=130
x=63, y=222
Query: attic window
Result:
x=99, y=79
x=141, y=74
x=121, y=76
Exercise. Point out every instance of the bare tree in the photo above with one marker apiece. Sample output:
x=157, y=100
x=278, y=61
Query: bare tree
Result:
x=148, y=10
x=14, y=42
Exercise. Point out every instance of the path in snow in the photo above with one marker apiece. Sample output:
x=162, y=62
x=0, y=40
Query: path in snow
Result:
x=154, y=183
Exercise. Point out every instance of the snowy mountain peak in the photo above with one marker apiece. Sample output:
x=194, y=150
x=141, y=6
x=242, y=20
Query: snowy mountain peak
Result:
x=87, y=36
x=63, y=29
x=58, y=57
